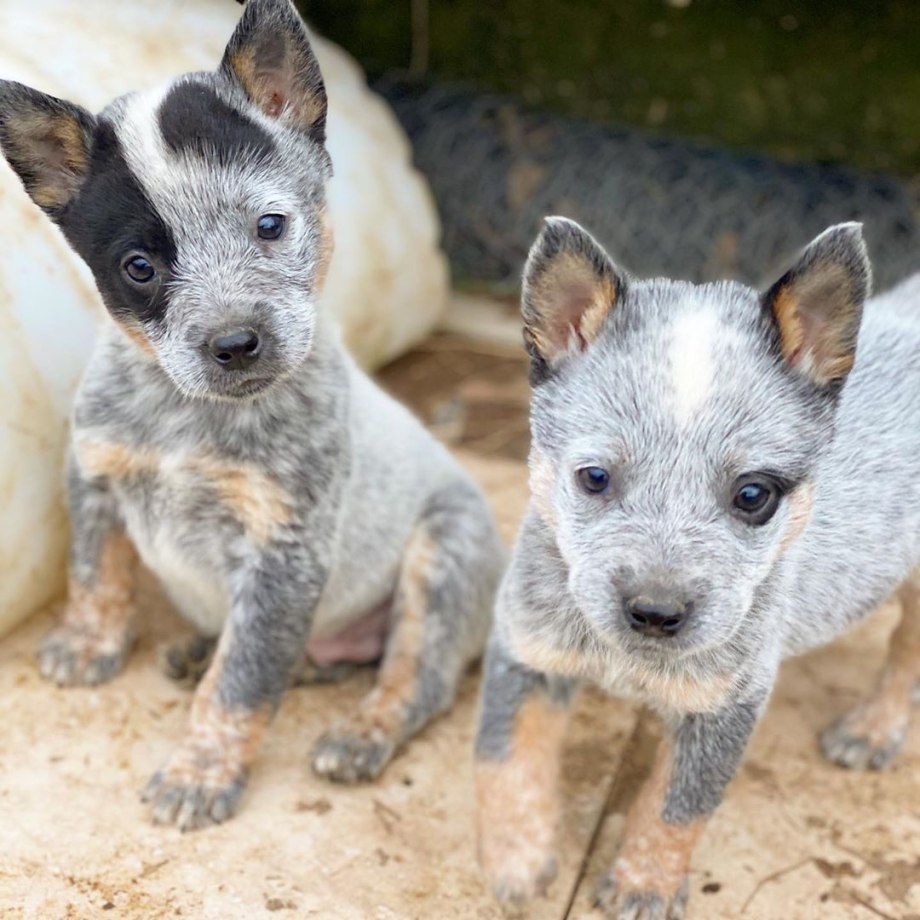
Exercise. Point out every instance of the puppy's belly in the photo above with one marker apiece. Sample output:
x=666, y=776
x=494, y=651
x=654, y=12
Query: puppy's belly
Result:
x=359, y=642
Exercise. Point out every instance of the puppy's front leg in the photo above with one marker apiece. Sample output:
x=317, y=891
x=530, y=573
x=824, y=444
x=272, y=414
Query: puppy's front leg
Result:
x=204, y=779
x=92, y=640
x=693, y=765
x=518, y=750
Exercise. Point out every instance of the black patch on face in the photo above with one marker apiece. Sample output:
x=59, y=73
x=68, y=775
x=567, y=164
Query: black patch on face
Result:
x=194, y=119
x=110, y=218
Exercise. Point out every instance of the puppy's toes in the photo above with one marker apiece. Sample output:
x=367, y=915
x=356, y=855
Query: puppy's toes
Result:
x=521, y=877
x=618, y=901
x=187, y=661
x=194, y=791
x=347, y=756
x=857, y=742
x=71, y=658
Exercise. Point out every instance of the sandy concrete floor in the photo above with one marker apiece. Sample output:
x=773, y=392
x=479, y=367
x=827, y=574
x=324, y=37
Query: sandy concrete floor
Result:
x=796, y=838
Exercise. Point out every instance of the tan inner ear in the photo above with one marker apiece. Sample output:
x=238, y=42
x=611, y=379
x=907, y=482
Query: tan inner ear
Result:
x=273, y=91
x=57, y=145
x=817, y=341
x=572, y=302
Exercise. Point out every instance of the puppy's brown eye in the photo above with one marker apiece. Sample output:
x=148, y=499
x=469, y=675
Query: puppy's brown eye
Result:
x=593, y=479
x=270, y=226
x=139, y=269
x=756, y=498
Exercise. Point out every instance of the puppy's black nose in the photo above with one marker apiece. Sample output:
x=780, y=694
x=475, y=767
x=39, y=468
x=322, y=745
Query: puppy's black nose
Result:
x=235, y=350
x=656, y=616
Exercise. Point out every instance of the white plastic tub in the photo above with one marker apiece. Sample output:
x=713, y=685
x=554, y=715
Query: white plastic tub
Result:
x=387, y=282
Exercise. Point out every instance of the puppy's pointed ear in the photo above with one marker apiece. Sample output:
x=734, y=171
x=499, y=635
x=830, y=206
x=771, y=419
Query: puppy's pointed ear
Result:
x=570, y=286
x=270, y=57
x=47, y=141
x=817, y=305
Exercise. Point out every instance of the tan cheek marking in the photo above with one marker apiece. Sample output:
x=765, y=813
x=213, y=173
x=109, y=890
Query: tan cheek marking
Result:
x=542, y=481
x=327, y=248
x=655, y=855
x=260, y=504
x=888, y=710
x=104, y=608
x=138, y=337
x=385, y=707
x=801, y=502
x=517, y=799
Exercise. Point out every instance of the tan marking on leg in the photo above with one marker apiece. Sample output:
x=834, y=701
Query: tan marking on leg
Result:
x=517, y=803
x=106, y=605
x=801, y=502
x=91, y=641
x=654, y=854
x=871, y=734
x=204, y=778
x=361, y=746
x=385, y=706
x=236, y=733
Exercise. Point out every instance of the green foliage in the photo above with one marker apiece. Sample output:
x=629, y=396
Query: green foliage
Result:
x=836, y=81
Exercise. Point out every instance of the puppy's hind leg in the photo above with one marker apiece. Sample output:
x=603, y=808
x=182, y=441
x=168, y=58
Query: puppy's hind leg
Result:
x=440, y=619
x=871, y=735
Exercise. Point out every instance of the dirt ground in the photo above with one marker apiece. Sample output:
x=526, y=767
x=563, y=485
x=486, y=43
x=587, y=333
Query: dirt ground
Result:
x=796, y=837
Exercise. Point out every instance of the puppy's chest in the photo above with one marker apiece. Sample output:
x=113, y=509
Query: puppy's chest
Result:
x=190, y=512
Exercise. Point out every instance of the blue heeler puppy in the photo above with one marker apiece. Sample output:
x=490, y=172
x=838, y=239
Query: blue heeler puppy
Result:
x=715, y=485
x=222, y=435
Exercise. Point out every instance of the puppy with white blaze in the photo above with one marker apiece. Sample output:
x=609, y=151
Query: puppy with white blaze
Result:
x=222, y=435
x=719, y=478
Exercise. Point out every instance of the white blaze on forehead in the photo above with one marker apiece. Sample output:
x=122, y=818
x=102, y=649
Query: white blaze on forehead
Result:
x=144, y=148
x=691, y=354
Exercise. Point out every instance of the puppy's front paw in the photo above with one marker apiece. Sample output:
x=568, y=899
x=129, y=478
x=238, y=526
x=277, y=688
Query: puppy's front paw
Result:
x=868, y=738
x=519, y=873
x=349, y=755
x=198, y=786
x=72, y=657
x=620, y=898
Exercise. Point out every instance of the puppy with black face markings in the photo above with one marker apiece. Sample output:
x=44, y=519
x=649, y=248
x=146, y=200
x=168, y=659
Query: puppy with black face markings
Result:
x=719, y=479
x=222, y=435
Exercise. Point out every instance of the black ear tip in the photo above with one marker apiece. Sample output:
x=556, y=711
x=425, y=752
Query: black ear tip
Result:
x=558, y=233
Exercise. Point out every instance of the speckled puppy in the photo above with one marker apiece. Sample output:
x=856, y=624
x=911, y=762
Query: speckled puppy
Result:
x=712, y=490
x=222, y=434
